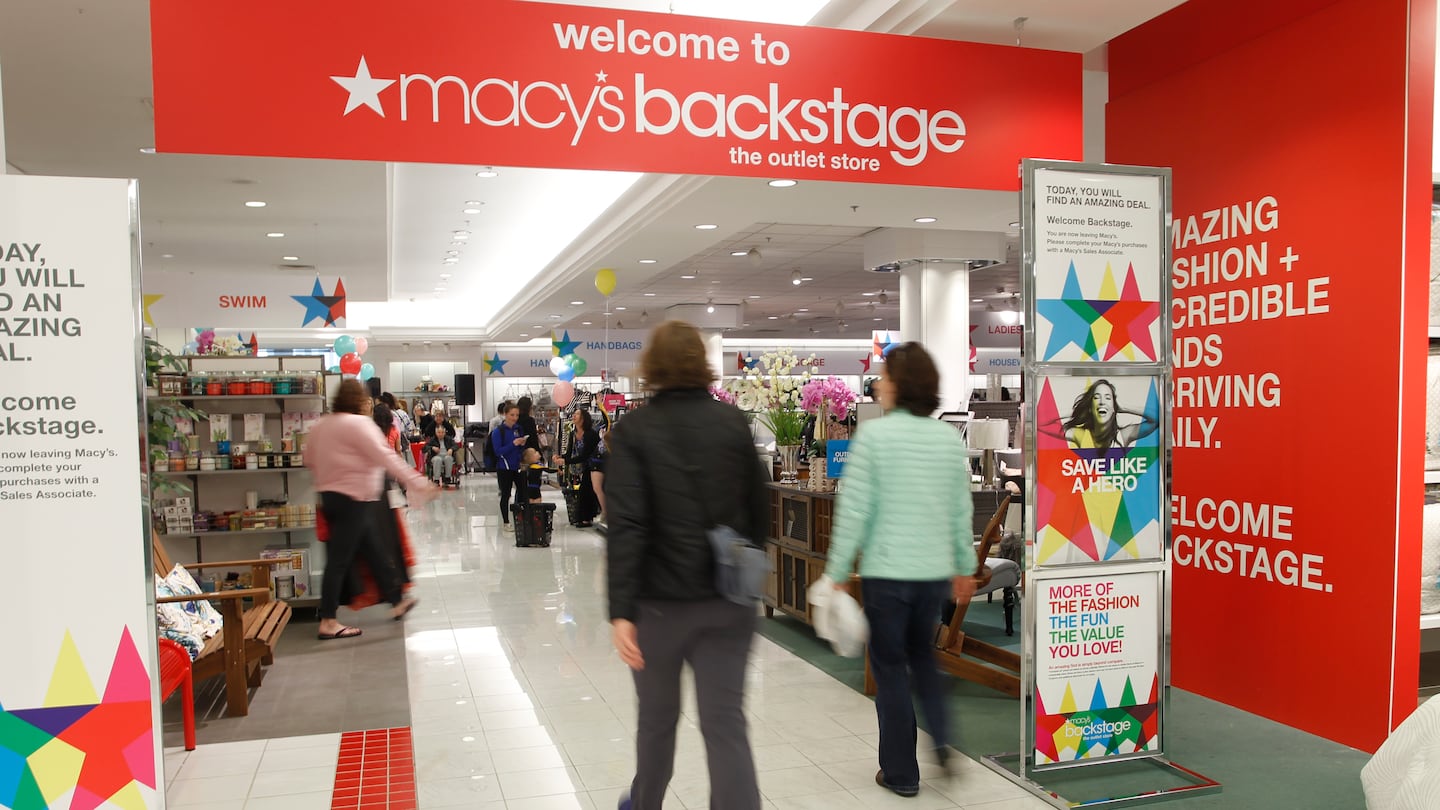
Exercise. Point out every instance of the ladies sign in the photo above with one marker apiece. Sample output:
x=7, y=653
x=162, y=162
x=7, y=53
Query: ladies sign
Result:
x=534, y=84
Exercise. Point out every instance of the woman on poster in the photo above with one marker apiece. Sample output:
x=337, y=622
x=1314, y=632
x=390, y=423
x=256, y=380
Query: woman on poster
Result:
x=1094, y=421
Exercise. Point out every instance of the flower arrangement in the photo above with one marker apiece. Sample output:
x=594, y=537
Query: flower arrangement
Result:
x=771, y=388
x=831, y=391
x=722, y=395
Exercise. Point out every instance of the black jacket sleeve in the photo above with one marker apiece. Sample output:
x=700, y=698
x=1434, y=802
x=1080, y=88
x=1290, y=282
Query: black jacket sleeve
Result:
x=627, y=497
x=583, y=449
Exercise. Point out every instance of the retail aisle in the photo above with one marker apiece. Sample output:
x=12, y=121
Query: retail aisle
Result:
x=518, y=701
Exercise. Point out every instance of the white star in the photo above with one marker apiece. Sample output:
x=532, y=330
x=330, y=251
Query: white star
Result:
x=600, y=77
x=363, y=89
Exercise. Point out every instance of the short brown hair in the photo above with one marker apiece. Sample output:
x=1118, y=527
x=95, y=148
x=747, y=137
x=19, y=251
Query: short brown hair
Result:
x=917, y=382
x=674, y=357
x=349, y=397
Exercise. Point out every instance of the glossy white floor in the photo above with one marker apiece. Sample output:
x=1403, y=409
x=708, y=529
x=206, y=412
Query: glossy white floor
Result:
x=519, y=702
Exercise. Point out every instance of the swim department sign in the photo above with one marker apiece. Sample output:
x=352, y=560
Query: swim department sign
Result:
x=534, y=84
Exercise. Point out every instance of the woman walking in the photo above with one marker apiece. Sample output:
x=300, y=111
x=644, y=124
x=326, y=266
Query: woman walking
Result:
x=906, y=510
x=348, y=459
x=677, y=468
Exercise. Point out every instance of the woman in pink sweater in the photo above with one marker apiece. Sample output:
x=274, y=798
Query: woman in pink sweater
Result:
x=348, y=458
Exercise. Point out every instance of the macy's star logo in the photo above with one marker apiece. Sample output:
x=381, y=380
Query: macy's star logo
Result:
x=363, y=88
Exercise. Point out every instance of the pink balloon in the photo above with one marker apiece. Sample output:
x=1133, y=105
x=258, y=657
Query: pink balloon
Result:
x=361, y=344
x=562, y=392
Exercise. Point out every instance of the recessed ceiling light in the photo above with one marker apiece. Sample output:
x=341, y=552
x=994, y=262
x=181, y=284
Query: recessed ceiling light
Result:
x=460, y=234
x=457, y=244
x=1015, y=224
x=619, y=309
x=254, y=203
x=147, y=150
x=706, y=227
x=537, y=326
x=649, y=295
x=688, y=276
x=754, y=296
x=524, y=334
x=452, y=253
x=473, y=202
x=781, y=183
x=167, y=255
x=773, y=317
x=924, y=220
x=451, y=260
x=867, y=294
x=710, y=305
x=554, y=317
x=803, y=309
x=647, y=261
x=877, y=319
x=577, y=303
x=275, y=235
x=977, y=300
x=795, y=278
x=806, y=278
x=290, y=258
x=439, y=289
x=584, y=323
x=487, y=172
x=470, y=211
x=739, y=253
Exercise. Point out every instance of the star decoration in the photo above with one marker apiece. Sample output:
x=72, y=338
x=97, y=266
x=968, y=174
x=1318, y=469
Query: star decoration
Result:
x=974, y=357
x=601, y=77
x=1101, y=327
x=752, y=362
x=881, y=344
x=494, y=365
x=865, y=364
x=149, y=300
x=563, y=346
x=364, y=90
x=329, y=308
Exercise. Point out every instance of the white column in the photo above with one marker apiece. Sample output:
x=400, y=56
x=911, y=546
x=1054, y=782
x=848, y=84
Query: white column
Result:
x=715, y=351
x=935, y=311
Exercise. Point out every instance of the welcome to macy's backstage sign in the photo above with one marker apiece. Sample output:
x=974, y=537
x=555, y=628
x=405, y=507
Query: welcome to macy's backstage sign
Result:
x=534, y=84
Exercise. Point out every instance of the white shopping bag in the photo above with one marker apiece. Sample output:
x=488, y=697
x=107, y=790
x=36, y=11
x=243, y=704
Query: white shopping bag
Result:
x=839, y=619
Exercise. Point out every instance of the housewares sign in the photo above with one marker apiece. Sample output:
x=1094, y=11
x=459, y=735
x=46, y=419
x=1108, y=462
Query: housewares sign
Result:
x=560, y=86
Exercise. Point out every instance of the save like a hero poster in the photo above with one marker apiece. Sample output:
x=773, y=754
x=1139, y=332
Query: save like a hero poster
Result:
x=1098, y=470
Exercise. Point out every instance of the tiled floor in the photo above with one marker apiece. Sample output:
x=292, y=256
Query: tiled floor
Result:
x=517, y=700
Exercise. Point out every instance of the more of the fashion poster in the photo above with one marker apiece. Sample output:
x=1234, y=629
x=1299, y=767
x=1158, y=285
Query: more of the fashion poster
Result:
x=1098, y=470
x=1098, y=267
x=1097, y=666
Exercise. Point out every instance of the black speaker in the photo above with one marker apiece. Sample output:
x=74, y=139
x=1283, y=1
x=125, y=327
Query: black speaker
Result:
x=464, y=389
x=374, y=385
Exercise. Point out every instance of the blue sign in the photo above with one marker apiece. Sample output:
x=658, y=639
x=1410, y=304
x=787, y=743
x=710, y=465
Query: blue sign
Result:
x=837, y=452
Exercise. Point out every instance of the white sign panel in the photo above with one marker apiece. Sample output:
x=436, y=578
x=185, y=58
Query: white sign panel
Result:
x=1097, y=666
x=76, y=687
x=1098, y=267
x=243, y=301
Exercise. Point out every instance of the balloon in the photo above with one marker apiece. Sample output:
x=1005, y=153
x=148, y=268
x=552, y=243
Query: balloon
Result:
x=350, y=363
x=361, y=344
x=567, y=375
x=562, y=392
x=577, y=364
x=558, y=365
x=605, y=281
x=344, y=345
x=367, y=371
x=334, y=369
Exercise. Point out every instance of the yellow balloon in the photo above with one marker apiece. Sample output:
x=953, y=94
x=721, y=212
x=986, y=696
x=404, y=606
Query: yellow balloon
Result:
x=605, y=281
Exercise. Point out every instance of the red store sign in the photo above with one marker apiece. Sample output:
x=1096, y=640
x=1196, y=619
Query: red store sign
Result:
x=534, y=84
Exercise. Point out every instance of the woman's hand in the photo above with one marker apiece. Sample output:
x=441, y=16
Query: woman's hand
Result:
x=962, y=588
x=421, y=495
x=623, y=635
x=557, y=459
x=518, y=440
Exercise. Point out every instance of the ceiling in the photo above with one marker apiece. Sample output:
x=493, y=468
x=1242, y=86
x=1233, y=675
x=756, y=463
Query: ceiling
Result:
x=76, y=92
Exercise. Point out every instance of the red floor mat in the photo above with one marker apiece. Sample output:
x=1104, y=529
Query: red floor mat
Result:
x=376, y=771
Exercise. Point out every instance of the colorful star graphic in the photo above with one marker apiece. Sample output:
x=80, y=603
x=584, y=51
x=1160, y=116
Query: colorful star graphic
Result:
x=865, y=364
x=881, y=344
x=328, y=308
x=561, y=347
x=494, y=365
x=1113, y=322
x=149, y=300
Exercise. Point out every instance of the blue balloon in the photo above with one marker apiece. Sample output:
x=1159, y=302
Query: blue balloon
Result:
x=367, y=371
x=567, y=374
x=344, y=345
x=334, y=369
x=192, y=348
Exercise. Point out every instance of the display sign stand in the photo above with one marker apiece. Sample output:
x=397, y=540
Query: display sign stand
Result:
x=1095, y=670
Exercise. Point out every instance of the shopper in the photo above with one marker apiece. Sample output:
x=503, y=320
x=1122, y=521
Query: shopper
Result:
x=424, y=422
x=402, y=419
x=906, y=510
x=385, y=420
x=527, y=423
x=440, y=452
x=678, y=467
x=508, y=443
x=348, y=460
x=1094, y=421
x=495, y=421
x=583, y=447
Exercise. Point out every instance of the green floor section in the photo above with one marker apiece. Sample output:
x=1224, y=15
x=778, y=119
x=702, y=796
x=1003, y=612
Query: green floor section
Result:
x=1262, y=764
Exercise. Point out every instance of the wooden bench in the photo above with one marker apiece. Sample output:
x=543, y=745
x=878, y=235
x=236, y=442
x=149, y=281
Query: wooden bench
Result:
x=245, y=644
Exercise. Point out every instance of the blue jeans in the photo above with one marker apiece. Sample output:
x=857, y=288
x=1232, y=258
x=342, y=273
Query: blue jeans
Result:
x=902, y=617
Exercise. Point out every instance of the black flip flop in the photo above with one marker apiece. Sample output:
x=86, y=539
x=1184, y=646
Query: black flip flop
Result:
x=345, y=632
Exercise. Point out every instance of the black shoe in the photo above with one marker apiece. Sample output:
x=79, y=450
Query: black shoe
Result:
x=907, y=792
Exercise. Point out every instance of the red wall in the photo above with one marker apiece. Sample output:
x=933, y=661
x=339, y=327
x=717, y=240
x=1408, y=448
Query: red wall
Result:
x=1326, y=108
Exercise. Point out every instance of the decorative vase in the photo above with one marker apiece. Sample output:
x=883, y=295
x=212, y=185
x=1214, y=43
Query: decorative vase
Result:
x=789, y=463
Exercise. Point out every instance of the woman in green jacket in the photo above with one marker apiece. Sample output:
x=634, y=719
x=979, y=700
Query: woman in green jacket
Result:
x=906, y=512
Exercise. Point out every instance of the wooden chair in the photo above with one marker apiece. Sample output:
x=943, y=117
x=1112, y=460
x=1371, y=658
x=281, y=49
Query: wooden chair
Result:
x=957, y=653
x=246, y=641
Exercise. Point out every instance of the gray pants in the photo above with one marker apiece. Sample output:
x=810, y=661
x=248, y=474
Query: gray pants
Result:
x=714, y=637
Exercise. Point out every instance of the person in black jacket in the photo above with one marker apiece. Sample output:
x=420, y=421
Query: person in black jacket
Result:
x=677, y=467
x=527, y=423
x=582, y=449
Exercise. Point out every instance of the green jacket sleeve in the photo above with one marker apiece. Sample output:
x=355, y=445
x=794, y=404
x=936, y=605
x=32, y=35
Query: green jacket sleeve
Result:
x=854, y=510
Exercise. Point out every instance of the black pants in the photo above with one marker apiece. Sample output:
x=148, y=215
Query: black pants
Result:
x=587, y=506
x=508, y=480
x=714, y=637
x=354, y=531
x=902, y=654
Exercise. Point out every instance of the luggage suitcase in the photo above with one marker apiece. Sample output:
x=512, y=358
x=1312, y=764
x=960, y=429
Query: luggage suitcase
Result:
x=534, y=524
x=570, y=486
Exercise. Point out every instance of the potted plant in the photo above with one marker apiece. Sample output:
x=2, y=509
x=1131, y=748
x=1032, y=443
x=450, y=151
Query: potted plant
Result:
x=771, y=389
x=162, y=427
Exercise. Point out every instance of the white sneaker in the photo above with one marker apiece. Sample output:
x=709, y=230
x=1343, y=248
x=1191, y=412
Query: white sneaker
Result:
x=510, y=527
